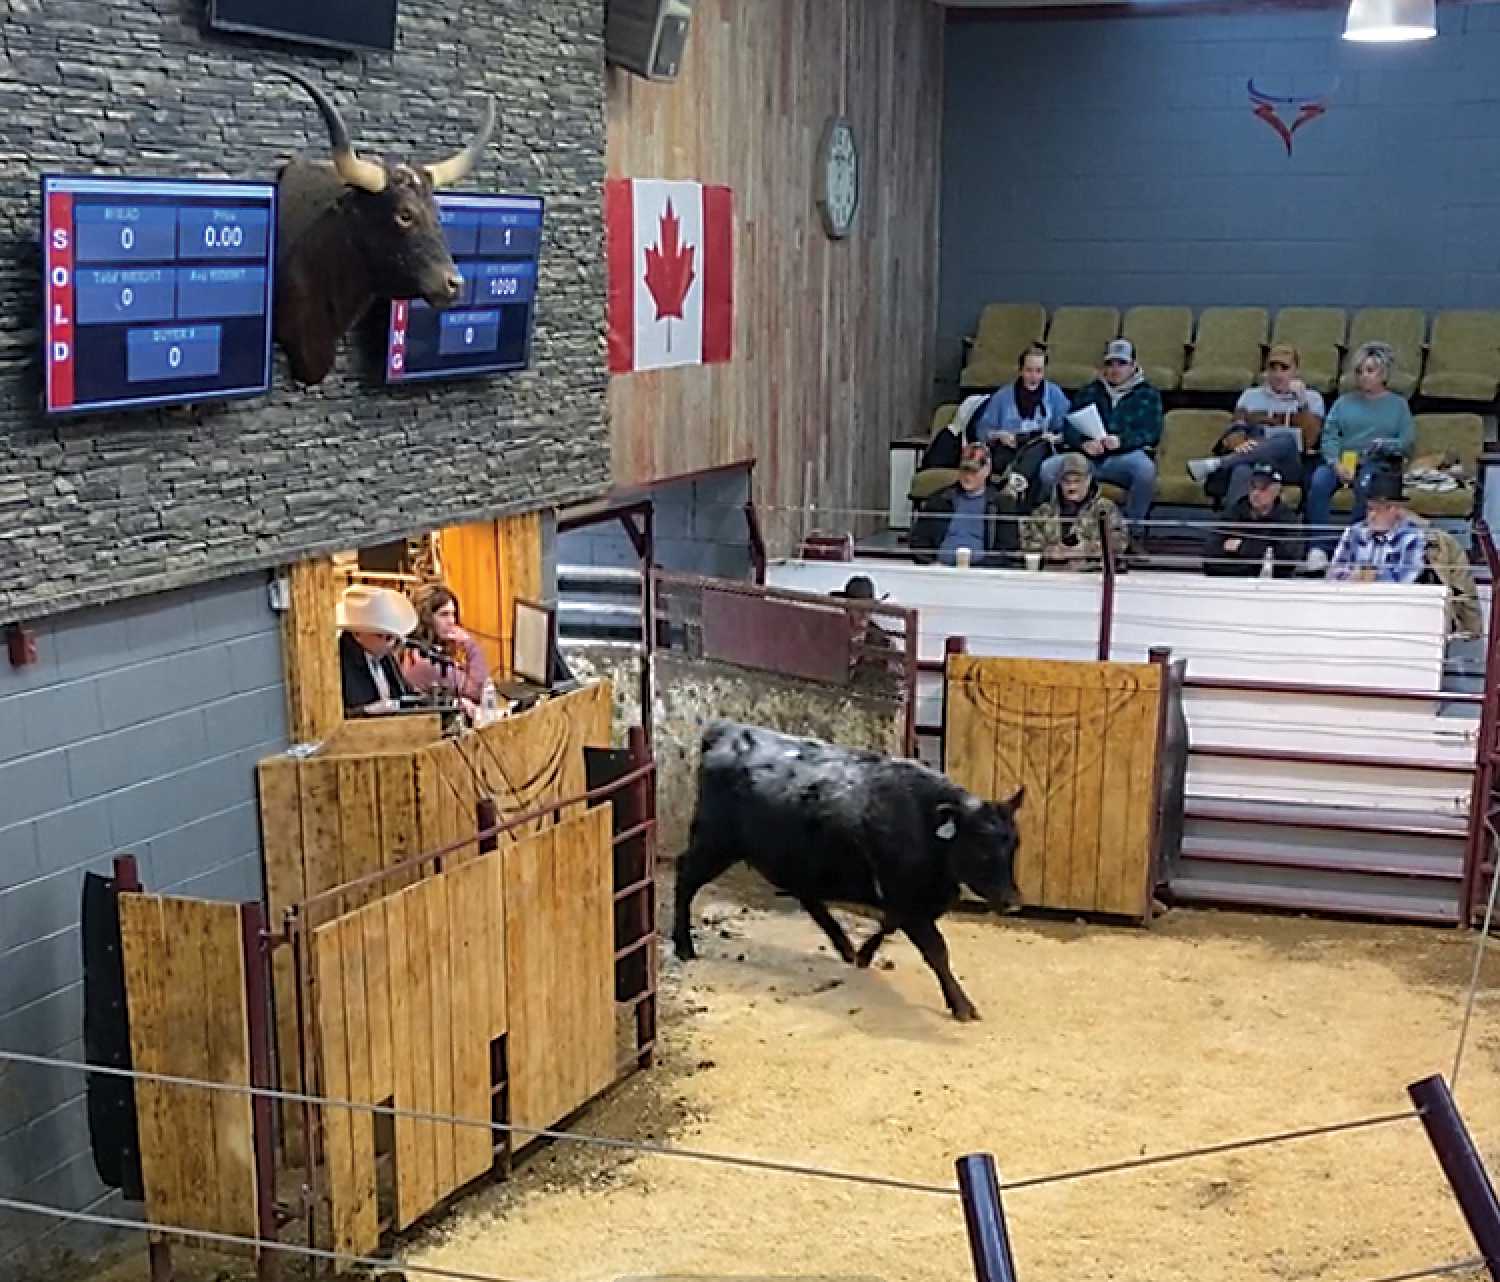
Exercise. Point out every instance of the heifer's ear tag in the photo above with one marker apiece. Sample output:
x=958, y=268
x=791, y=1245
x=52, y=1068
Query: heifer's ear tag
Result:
x=947, y=830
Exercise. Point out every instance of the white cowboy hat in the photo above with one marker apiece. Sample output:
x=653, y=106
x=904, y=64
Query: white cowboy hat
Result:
x=366, y=609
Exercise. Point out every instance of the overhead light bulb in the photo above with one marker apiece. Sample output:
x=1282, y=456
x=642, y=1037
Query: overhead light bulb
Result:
x=1391, y=21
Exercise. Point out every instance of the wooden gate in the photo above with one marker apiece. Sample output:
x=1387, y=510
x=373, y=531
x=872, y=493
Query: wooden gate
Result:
x=1085, y=741
x=413, y=992
x=185, y=986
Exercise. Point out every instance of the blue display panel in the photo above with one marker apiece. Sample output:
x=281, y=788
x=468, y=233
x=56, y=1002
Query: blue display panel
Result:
x=496, y=242
x=157, y=291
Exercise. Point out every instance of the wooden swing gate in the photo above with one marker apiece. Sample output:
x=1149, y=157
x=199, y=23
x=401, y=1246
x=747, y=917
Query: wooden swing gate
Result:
x=1098, y=748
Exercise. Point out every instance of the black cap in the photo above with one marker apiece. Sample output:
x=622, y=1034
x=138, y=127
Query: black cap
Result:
x=1385, y=484
x=1265, y=473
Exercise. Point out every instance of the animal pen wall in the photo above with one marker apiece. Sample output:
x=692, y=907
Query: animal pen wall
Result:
x=459, y=928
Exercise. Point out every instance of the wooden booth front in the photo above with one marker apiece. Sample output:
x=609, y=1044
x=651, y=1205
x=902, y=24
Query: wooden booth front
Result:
x=456, y=925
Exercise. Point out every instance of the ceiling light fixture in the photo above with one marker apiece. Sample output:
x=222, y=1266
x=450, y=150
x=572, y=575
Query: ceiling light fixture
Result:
x=1391, y=21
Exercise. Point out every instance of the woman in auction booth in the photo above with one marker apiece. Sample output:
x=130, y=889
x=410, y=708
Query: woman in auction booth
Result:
x=439, y=630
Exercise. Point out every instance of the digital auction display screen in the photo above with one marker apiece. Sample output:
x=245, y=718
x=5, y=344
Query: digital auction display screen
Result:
x=496, y=242
x=157, y=291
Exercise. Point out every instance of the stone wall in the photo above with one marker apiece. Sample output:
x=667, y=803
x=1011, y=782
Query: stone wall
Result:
x=119, y=505
x=689, y=693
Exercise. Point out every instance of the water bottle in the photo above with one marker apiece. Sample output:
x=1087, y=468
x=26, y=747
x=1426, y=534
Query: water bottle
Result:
x=489, y=708
x=1268, y=565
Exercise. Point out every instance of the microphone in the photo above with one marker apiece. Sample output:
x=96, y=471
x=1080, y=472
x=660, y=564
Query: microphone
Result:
x=426, y=651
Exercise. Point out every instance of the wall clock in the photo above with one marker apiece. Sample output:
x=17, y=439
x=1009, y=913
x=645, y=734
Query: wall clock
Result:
x=838, y=177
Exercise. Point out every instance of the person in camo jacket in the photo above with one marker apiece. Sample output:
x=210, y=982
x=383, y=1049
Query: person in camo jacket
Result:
x=1066, y=529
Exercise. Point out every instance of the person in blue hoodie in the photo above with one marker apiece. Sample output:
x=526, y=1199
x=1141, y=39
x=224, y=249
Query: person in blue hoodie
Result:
x=1022, y=422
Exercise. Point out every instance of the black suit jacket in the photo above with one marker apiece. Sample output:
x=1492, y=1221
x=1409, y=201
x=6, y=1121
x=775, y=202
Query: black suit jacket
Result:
x=359, y=685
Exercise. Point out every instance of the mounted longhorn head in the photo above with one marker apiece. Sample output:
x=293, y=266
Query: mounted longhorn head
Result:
x=355, y=230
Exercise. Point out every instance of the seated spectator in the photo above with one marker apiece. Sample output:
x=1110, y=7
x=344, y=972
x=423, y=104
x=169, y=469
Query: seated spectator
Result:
x=1068, y=529
x=1387, y=546
x=1259, y=523
x=873, y=673
x=1131, y=410
x=1275, y=423
x=970, y=514
x=462, y=669
x=1367, y=431
x=372, y=623
x=1022, y=423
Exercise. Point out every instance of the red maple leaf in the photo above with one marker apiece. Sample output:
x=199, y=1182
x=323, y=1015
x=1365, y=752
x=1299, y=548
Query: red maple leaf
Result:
x=669, y=270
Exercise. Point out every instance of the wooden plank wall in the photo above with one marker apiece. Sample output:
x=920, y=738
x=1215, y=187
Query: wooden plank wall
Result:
x=185, y=991
x=1081, y=738
x=488, y=565
x=412, y=989
x=559, y=934
x=833, y=343
x=329, y=820
x=309, y=641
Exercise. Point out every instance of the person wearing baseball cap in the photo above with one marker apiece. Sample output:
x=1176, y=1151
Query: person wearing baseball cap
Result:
x=1130, y=409
x=970, y=514
x=1276, y=422
x=1258, y=524
x=1068, y=529
x=372, y=622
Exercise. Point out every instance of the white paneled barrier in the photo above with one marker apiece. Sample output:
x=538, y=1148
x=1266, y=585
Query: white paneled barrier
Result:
x=1367, y=636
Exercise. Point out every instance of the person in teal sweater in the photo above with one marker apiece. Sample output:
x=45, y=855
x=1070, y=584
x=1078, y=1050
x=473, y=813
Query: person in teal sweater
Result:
x=1371, y=423
x=1131, y=411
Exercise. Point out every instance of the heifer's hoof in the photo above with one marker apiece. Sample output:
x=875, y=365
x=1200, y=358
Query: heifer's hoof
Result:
x=685, y=949
x=966, y=1014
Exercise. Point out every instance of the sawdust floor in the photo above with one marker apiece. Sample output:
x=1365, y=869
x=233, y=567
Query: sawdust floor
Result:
x=1098, y=1043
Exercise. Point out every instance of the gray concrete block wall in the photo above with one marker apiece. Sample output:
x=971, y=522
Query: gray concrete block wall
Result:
x=124, y=504
x=1117, y=161
x=138, y=730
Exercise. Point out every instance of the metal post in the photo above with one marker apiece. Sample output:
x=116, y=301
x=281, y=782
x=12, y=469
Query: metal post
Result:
x=1107, y=597
x=989, y=1244
x=1475, y=845
x=1461, y=1164
x=300, y=982
x=645, y=923
x=951, y=646
x=257, y=960
x=648, y=617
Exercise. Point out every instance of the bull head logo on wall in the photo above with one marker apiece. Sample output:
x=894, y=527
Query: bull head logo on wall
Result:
x=353, y=231
x=1269, y=108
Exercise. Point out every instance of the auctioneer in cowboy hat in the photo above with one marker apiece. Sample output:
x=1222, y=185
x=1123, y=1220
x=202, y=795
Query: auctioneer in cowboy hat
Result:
x=367, y=609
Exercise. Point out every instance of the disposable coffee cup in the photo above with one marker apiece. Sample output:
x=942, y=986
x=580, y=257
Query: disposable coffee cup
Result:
x=961, y=558
x=1033, y=560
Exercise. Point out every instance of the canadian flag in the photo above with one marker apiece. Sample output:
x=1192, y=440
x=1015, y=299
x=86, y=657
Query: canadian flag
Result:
x=671, y=273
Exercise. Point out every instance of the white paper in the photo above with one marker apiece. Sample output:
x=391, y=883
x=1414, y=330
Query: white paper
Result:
x=1088, y=422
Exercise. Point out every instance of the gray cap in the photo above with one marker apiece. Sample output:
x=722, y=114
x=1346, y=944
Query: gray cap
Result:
x=1074, y=465
x=1120, y=349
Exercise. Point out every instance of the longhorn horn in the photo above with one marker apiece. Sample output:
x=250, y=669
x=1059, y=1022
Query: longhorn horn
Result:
x=447, y=172
x=364, y=174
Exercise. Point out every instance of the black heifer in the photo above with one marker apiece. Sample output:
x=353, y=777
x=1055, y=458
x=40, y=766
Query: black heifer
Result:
x=826, y=823
x=356, y=230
